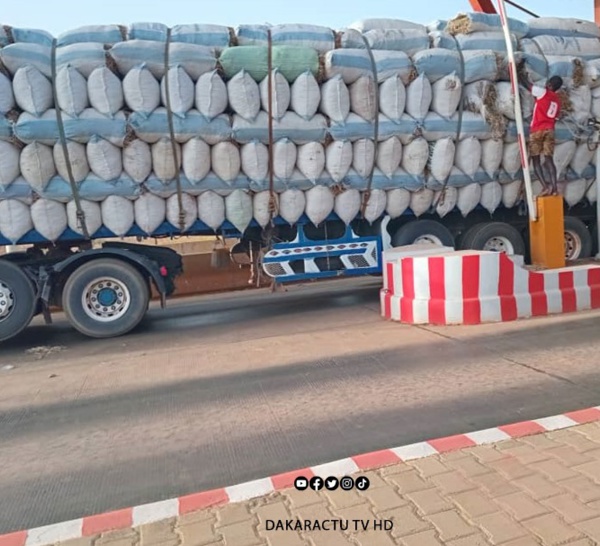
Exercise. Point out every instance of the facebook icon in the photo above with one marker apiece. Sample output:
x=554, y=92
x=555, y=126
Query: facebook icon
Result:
x=316, y=483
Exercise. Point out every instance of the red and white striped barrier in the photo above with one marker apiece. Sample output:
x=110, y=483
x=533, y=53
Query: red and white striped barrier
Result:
x=473, y=287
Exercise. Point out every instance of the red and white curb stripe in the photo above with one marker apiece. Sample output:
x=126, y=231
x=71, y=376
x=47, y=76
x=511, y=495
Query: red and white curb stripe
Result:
x=445, y=287
x=151, y=513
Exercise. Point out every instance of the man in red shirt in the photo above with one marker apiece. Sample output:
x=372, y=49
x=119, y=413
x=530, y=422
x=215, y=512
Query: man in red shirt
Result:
x=541, y=134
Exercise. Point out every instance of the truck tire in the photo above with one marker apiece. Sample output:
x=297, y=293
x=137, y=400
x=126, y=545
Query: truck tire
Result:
x=17, y=300
x=494, y=236
x=423, y=231
x=578, y=240
x=105, y=298
x=595, y=239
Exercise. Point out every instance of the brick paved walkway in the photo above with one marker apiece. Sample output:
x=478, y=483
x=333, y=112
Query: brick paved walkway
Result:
x=542, y=489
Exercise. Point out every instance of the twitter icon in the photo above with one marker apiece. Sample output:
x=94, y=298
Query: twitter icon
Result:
x=332, y=483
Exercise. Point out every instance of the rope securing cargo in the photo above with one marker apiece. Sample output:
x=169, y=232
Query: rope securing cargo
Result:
x=172, y=131
x=63, y=142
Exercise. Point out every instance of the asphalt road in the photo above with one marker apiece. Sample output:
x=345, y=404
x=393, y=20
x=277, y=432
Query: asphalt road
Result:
x=220, y=390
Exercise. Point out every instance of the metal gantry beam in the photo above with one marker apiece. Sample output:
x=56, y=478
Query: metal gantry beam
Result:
x=486, y=6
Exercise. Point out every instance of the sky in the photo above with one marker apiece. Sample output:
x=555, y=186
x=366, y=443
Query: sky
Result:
x=57, y=16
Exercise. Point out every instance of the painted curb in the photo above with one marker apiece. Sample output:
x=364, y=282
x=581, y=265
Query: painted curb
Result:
x=151, y=513
x=474, y=287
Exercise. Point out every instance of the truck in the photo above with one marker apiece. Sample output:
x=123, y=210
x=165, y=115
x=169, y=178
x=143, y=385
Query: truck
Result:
x=105, y=291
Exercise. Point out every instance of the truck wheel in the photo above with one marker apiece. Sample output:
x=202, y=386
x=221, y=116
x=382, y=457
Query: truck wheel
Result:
x=423, y=231
x=494, y=236
x=578, y=240
x=105, y=298
x=17, y=300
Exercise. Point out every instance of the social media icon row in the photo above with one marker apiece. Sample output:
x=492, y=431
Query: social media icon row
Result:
x=332, y=483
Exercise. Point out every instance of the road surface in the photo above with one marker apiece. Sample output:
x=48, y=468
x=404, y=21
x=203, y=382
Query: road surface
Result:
x=224, y=389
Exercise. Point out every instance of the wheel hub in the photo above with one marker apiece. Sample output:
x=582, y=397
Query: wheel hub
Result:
x=429, y=239
x=572, y=246
x=499, y=244
x=7, y=301
x=106, y=299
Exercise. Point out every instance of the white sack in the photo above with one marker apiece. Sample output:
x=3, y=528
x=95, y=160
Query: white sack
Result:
x=7, y=97
x=492, y=153
x=150, y=212
x=392, y=98
x=442, y=159
x=92, y=216
x=446, y=202
x=338, y=159
x=347, y=205
x=468, y=155
x=491, y=196
x=305, y=95
x=105, y=159
x=141, y=91
x=280, y=94
x=15, y=219
x=563, y=154
x=421, y=201
x=226, y=161
x=181, y=91
x=505, y=102
x=375, y=205
x=590, y=195
x=165, y=164
x=211, y=209
x=239, y=209
x=37, y=165
x=468, y=198
x=105, y=91
x=285, y=154
x=335, y=99
x=419, y=96
x=511, y=158
x=49, y=218
x=196, y=159
x=32, y=90
x=319, y=204
x=363, y=156
x=9, y=163
x=71, y=91
x=398, y=201
x=446, y=95
x=575, y=191
x=389, y=156
x=261, y=206
x=118, y=214
x=363, y=95
x=244, y=95
x=415, y=156
x=211, y=95
x=311, y=160
x=80, y=167
x=511, y=193
x=137, y=160
x=255, y=161
x=189, y=209
x=582, y=157
x=291, y=205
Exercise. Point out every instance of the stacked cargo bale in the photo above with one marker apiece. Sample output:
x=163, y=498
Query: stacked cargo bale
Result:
x=144, y=125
